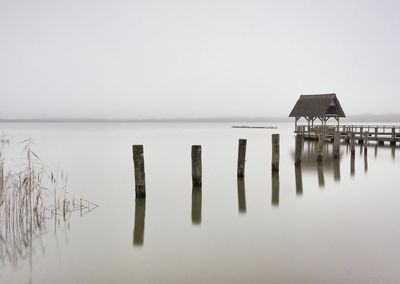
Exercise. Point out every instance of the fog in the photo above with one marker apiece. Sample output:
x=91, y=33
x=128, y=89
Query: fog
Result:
x=167, y=59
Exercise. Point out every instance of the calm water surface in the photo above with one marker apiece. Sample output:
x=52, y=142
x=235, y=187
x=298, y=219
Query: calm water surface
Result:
x=320, y=224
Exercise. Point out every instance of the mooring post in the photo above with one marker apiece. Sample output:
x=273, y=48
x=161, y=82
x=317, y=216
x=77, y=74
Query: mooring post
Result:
x=336, y=146
x=275, y=153
x=320, y=148
x=376, y=132
x=138, y=161
x=352, y=145
x=241, y=157
x=298, y=149
x=196, y=165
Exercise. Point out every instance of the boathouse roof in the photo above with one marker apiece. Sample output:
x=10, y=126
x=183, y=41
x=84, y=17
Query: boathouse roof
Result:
x=321, y=105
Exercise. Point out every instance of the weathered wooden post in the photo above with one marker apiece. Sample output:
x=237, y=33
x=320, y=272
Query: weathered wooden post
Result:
x=352, y=145
x=320, y=148
x=241, y=157
x=138, y=161
x=196, y=165
x=138, y=230
x=336, y=145
x=376, y=133
x=241, y=195
x=275, y=189
x=360, y=141
x=196, y=205
x=275, y=153
x=298, y=149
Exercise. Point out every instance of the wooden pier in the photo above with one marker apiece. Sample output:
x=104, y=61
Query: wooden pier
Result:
x=375, y=133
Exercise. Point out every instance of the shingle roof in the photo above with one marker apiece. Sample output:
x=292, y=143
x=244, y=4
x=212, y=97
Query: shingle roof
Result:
x=316, y=106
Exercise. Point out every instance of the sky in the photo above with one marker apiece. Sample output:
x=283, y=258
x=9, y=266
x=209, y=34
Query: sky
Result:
x=168, y=59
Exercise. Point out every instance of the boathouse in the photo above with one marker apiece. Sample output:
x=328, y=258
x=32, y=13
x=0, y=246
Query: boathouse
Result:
x=321, y=106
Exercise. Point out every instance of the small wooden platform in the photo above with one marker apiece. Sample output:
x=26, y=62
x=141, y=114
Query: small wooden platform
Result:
x=376, y=133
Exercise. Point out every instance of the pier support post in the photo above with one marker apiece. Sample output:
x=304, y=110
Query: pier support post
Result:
x=320, y=148
x=138, y=161
x=196, y=165
x=241, y=157
x=336, y=145
x=298, y=149
x=275, y=153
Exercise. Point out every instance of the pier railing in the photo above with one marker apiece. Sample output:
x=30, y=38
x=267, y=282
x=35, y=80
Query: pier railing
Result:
x=378, y=133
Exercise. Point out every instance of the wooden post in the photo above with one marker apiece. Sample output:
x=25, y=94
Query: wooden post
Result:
x=376, y=133
x=320, y=148
x=299, y=149
x=138, y=161
x=366, y=134
x=196, y=165
x=336, y=145
x=241, y=157
x=352, y=145
x=275, y=153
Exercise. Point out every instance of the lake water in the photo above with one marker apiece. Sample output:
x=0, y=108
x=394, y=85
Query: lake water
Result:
x=318, y=225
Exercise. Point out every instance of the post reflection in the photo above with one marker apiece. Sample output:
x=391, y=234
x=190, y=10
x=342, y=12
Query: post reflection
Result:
x=321, y=178
x=393, y=150
x=352, y=165
x=241, y=195
x=196, y=205
x=275, y=189
x=336, y=170
x=365, y=162
x=299, y=180
x=138, y=230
